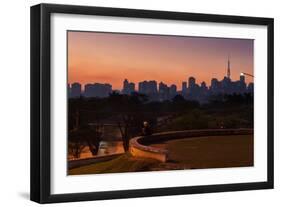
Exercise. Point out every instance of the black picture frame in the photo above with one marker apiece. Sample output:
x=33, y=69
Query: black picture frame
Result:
x=40, y=102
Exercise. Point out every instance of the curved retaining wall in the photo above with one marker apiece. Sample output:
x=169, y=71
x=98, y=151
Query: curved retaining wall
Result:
x=139, y=145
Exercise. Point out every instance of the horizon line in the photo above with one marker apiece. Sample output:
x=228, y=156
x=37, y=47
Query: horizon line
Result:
x=158, y=82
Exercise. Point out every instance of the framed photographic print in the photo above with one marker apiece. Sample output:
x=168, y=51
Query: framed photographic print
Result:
x=132, y=103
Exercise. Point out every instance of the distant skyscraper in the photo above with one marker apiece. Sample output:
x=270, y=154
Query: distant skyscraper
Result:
x=184, y=88
x=227, y=85
x=131, y=87
x=228, y=68
x=128, y=88
x=148, y=87
x=241, y=85
x=163, y=91
x=173, y=91
x=242, y=78
x=125, y=84
x=204, y=86
x=143, y=87
x=250, y=88
x=191, y=82
x=162, y=87
x=215, y=85
x=152, y=87
x=88, y=90
x=75, y=90
x=193, y=90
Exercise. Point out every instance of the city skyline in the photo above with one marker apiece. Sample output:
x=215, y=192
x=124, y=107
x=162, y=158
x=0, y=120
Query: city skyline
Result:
x=136, y=85
x=111, y=57
x=159, y=91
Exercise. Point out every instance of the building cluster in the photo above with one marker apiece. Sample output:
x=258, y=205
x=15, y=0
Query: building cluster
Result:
x=90, y=90
x=160, y=92
x=97, y=90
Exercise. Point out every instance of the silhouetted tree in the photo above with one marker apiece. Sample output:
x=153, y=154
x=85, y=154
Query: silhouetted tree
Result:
x=93, y=138
x=124, y=128
x=75, y=148
x=178, y=99
x=86, y=136
x=75, y=144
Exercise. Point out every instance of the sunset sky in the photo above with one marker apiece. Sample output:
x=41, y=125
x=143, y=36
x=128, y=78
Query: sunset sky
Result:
x=111, y=57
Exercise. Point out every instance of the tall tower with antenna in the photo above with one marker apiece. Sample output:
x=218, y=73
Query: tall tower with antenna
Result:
x=228, y=68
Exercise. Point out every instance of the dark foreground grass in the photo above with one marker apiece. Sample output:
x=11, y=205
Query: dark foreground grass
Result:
x=124, y=163
x=189, y=153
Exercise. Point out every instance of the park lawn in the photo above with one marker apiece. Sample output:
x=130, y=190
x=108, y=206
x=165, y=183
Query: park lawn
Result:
x=124, y=163
x=188, y=153
x=212, y=151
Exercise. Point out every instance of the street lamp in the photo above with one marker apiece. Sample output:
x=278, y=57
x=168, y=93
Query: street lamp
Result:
x=247, y=74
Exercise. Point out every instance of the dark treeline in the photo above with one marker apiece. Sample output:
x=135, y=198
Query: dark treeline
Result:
x=88, y=116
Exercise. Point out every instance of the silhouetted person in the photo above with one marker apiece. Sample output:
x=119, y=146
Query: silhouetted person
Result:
x=146, y=130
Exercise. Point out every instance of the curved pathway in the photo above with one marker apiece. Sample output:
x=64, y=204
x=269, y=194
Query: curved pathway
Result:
x=141, y=146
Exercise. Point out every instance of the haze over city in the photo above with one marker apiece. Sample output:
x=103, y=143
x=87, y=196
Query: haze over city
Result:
x=111, y=57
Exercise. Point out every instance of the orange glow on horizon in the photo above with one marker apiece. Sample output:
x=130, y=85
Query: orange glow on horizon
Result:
x=110, y=58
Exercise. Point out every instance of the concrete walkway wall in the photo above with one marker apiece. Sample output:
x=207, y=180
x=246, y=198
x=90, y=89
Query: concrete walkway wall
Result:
x=139, y=145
